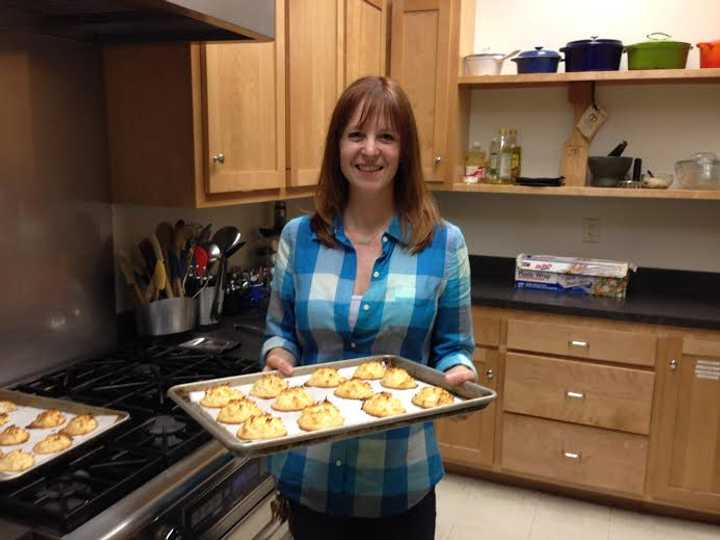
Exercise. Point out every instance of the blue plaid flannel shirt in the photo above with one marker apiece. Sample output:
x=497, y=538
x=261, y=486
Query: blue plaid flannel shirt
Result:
x=417, y=306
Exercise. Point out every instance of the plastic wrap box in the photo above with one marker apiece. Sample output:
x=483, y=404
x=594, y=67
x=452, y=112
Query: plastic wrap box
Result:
x=599, y=277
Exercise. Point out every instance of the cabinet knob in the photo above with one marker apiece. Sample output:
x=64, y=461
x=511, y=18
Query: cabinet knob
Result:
x=673, y=364
x=490, y=374
x=574, y=456
x=437, y=160
x=219, y=158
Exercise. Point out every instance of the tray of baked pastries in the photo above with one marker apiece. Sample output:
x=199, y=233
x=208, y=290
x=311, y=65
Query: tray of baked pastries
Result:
x=263, y=413
x=36, y=430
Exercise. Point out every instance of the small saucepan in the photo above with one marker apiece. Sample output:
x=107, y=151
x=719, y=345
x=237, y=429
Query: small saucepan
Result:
x=485, y=63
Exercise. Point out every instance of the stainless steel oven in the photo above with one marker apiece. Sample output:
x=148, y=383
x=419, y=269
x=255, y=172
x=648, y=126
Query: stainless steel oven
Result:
x=160, y=475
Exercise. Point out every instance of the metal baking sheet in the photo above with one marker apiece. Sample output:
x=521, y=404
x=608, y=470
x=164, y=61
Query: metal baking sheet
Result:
x=29, y=406
x=468, y=397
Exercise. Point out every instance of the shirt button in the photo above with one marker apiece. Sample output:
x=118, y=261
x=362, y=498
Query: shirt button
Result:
x=352, y=345
x=338, y=463
x=384, y=238
x=376, y=274
x=366, y=307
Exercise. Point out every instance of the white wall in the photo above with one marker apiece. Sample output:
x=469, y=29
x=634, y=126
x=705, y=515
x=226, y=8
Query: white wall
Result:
x=662, y=123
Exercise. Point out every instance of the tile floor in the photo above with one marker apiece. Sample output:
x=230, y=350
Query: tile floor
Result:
x=472, y=509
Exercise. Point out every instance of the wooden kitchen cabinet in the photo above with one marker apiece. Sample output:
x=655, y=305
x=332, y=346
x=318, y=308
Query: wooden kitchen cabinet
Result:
x=429, y=40
x=330, y=44
x=244, y=86
x=685, y=467
x=197, y=125
x=471, y=441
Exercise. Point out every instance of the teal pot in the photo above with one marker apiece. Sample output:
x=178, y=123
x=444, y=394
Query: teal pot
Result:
x=658, y=53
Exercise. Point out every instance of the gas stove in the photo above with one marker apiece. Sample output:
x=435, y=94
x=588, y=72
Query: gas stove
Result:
x=92, y=483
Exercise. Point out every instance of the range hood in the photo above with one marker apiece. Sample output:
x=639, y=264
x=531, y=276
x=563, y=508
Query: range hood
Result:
x=123, y=21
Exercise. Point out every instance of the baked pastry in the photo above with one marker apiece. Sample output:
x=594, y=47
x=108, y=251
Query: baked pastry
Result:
x=294, y=398
x=370, y=370
x=354, y=389
x=53, y=443
x=325, y=377
x=432, y=396
x=16, y=461
x=383, y=404
x=262, y=426
x=48, y=419
x=4, y=418
x=80, y=425
x=268, y=386
x=398, y=378
x=7, y=406
x=237, y=411
x=320, y=416
x=219, y=396
x=13, y=435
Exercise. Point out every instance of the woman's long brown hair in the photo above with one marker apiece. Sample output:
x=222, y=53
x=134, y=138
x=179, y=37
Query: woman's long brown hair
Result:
x=380, y=98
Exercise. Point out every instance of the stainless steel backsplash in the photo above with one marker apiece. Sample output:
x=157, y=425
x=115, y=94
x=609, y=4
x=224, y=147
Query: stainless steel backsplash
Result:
x=56, y=276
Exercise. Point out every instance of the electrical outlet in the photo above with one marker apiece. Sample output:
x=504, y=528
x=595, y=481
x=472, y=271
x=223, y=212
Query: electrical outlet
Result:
x=591, y=230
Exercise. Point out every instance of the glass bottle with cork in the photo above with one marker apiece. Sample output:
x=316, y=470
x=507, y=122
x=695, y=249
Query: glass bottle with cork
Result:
x=493, y=173
x=515, y=168
x=505, y=157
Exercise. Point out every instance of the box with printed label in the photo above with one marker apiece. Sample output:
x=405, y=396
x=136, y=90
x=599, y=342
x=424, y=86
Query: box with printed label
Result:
x=599, y=277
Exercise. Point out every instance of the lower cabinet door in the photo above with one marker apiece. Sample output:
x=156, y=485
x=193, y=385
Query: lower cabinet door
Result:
x=574, y=454
x=471, y=441
x=685, y=465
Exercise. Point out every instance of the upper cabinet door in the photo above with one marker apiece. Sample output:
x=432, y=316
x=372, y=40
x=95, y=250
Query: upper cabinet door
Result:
x=244, y=86
x=686, y=465
x=315, y=80
x=420, y=53
x=365, y=38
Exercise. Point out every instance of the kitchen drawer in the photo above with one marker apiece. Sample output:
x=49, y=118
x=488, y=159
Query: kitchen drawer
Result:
x=486, y=331
x=576, y=391
x=575, y=454
x=582, y=342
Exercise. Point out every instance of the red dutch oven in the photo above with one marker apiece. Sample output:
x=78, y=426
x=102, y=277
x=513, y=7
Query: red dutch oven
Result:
x=709, y=54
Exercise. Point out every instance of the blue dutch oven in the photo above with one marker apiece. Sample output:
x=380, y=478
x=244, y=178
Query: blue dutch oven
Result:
x=593, y=54
x=537, y=61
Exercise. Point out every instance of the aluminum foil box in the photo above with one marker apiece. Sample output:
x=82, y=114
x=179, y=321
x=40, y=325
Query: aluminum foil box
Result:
x=599, y=277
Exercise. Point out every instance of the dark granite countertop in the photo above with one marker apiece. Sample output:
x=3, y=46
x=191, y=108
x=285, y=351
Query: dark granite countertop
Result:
x=655, y=296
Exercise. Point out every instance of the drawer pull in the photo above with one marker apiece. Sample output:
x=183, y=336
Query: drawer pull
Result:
x=578, y=343
x=490, y=374
x=575, y=456
x=673, y=364
x=574, y=395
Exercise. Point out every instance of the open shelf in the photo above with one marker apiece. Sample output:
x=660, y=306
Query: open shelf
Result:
x=583, y=191
x=635, y=76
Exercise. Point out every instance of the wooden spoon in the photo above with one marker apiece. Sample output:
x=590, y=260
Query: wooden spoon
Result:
x=161, y=260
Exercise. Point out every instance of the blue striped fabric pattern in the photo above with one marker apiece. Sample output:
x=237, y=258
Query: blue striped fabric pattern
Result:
x=417, y=306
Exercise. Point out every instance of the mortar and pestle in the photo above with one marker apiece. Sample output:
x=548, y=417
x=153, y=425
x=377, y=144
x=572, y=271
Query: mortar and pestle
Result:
x=610, y=170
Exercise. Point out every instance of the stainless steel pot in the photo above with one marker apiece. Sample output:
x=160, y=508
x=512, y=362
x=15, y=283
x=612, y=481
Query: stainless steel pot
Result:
x=163, y=317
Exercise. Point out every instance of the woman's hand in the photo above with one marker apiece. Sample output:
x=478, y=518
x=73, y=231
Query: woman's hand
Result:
x=456, y=376
x=281, y=360
x=459, y=374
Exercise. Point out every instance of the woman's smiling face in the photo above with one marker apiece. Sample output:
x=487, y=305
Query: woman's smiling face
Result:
x=369, y=154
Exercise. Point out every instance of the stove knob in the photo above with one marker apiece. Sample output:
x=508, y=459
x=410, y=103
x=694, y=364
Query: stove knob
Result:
x=167, y=532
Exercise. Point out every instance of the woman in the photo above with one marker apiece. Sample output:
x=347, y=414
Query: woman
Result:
x=373, y=271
